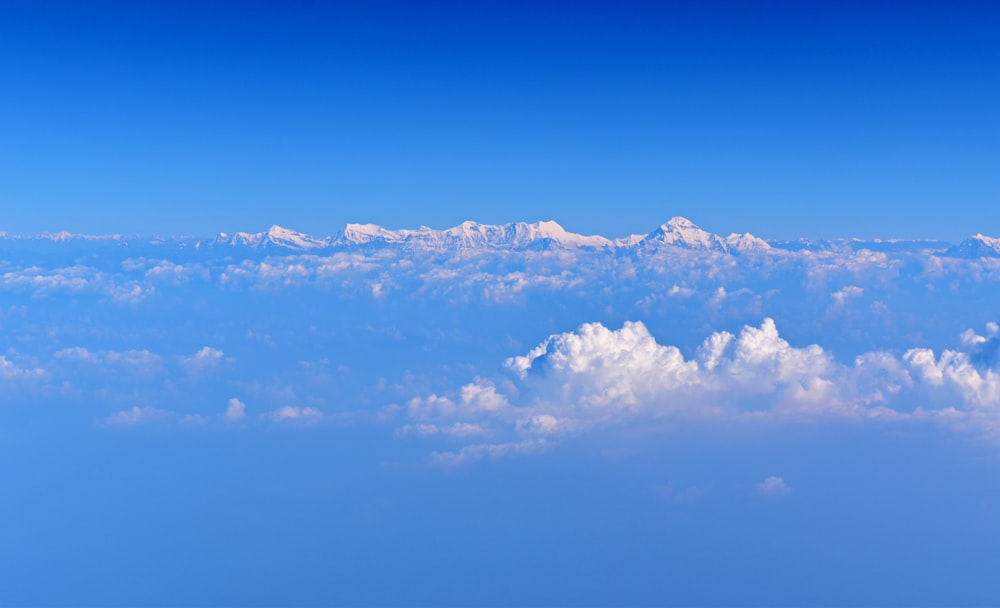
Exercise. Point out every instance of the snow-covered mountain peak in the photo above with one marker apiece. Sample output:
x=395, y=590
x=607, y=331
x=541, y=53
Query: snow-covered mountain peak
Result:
x=747, y=242
x=473, y=235
x=976, y=246
x=988, y=240
x=467, y=229
x=291, y=239
x=682, y=232
x=276, y=236
x=552, y=231
x=551, y=227
x=678, y=223
x=360, y=234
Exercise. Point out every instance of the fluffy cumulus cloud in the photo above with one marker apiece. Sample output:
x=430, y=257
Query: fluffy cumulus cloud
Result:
x=619, y=368
x=596, y=369
x=595, y=376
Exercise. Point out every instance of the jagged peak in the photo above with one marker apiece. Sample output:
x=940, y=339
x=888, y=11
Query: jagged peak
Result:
x=990, y=240
x=679, y=223
x=747, y=242
x=277, y=230
x=976, y=246
x=682, y=232
x=551, y=226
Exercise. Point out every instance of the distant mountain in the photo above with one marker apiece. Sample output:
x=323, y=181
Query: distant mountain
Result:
x=682, y=233
x=275, y=237
x=978, y=246
x=676, y=235
x=747, y=242
x=845, y=245
x=472, y=235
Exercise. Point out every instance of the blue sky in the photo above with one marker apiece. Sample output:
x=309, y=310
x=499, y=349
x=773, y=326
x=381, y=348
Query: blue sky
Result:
x=784, y=119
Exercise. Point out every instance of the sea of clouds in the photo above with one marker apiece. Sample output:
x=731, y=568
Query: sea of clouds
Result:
x=481, y=353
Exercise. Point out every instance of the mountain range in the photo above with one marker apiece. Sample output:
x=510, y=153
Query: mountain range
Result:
x=678, y=233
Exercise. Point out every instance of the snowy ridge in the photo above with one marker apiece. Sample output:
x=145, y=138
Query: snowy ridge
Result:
x=977, y=246
x=275, y=237
x=61, y=237
x=747, y=242
x=678, y=232
x=682, y=232
x=676, y=235
x=472, y=235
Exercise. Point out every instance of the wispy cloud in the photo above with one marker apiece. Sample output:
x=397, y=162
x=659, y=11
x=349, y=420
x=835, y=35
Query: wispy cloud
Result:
x=773, y=486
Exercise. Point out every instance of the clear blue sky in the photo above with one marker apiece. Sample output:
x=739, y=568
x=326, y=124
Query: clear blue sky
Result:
x=846, y=119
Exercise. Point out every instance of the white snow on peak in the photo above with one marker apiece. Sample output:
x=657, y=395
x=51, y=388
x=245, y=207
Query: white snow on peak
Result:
x=988, y=240
x=552, y=230
x=746, y=242
x=294, y=240
x=362, y=233
x=679, y=223
x=678, y=232
x=64, y=235
x=682, y=232
x=472, y=235
x=276, y=236
x=244, y=239
x=976, y=246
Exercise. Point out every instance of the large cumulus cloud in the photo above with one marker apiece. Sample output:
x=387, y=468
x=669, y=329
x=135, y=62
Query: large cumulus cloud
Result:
x=577, y=381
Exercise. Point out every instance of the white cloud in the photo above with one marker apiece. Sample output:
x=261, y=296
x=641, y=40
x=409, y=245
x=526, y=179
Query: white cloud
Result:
x=954, y=371
x=773, y=486
x=137, y=416
x=540, y=424
x=972, y=339
x=288, y=413
x=165, y=271
x=203, y=361
x=595, y=376
x=626, y=369
x=844, y=294
x=235, y=411
x=458, y=429
x=11, y=371
x=141, y=362
x=486, y=451
x=598, y=367
x=432, y=406
x=482, y=394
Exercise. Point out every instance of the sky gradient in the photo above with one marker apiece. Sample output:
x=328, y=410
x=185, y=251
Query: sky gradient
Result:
x=787, y=120
x=499, y=417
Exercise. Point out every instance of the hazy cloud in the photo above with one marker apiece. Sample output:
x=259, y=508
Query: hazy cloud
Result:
x=773, y=486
